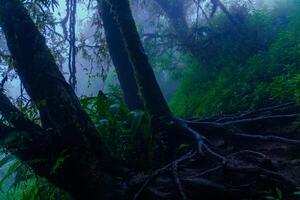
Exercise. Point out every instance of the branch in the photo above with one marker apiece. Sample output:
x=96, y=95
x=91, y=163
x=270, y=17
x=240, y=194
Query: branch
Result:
x=150, y=36
x=14, y=116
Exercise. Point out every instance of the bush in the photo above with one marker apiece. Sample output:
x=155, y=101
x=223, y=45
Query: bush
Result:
x=254, y=70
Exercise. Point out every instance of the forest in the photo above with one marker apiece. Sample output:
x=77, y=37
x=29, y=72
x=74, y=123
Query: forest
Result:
x=149, y=99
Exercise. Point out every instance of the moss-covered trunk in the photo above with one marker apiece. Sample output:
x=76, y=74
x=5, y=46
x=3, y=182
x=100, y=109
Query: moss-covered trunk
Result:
x=120, y=58
x=76, y=158
x=144, y=74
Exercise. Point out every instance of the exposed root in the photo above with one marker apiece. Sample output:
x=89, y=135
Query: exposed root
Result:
x=269, y=174
x=233, y=133
x=258, y=154
x=195, y=136
x=220, y=157
x=268, y=138
x=178, y=181
x=235, y=192
x=163, y=170
x=204, y=171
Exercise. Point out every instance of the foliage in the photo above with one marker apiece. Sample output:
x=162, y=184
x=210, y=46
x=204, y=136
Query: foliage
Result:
x=277, y=195
x=18, y=182
x=128, y=134
x=297, y=193
x=245, y=72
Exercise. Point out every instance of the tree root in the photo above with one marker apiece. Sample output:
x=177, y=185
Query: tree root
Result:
x=178, y=181
x=292, y=185
x=184, y=183
x=222, y=129
x=163, y=170
x=268, y=138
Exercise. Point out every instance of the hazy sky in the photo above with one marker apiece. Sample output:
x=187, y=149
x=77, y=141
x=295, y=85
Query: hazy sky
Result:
x=83, y=17
x=13, y=88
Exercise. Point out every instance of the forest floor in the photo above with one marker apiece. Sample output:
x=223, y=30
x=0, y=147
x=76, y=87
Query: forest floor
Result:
x=250, y=158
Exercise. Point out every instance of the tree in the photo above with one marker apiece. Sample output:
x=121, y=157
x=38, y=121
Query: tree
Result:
x=150, y=91
x=74, y=137
x=69, y=149
x=175, y=11
x=120, y=58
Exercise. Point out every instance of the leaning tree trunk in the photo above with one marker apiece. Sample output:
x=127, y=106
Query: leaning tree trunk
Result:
x=144, y=74
x=72, y=137
x=150, y=91
x=120, y=58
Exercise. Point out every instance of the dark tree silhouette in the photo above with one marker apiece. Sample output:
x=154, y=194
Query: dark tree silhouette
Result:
x=120, y=58
x=73, y=135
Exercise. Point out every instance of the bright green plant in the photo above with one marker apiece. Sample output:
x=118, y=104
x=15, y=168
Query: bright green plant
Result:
x=257, y=70
x=17, y=182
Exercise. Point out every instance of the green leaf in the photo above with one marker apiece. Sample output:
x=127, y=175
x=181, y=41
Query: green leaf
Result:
x=11, y=137
x=270, y=198
x=183, y=146
x=58, y=163
x=114, y=108
x=279, y=193
x=13, y=168
x=6, y=160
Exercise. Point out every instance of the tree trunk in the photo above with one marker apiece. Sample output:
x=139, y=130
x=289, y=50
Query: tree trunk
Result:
x=15, y=116
x=76, y=158
x=154, y=100
x=42, y=79
x=174, y=11
x=120, y=58
x=144, y=74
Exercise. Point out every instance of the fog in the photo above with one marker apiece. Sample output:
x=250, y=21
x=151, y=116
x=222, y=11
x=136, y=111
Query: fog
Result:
x=96, y=74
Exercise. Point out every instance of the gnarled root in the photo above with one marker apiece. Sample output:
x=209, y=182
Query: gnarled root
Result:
x=212, y=172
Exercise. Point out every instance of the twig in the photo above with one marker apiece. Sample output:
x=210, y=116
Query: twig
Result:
x=162, y=170
x=220, y=157
x=178, y=182
x=211, y=170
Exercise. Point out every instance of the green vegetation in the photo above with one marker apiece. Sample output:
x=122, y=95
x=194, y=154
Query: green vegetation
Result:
x=127, y=133
x=297, y=193
x=256, y=67
x=253, y=65
x=18, y=182
x=121, y=130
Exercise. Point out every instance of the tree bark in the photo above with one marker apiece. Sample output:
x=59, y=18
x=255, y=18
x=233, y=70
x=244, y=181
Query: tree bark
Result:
x=154, y=100
x=15, y=116
x=38, y=71
x=150, y=91
x=84, y=161
x=120, y=58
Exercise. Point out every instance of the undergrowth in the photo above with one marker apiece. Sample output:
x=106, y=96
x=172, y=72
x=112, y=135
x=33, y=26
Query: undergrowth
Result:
x=261, y=68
